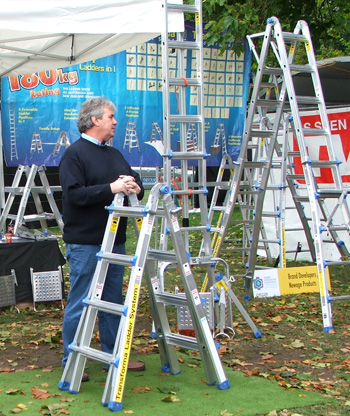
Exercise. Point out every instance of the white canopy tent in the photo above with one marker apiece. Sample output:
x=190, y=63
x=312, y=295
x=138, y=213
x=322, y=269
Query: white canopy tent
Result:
x=39, y=35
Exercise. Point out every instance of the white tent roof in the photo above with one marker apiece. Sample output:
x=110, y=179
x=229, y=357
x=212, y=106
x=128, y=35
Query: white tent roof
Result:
x=38, y=35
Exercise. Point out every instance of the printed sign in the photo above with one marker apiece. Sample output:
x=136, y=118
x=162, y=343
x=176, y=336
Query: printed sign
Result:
x=287, y=281
x=40, y=110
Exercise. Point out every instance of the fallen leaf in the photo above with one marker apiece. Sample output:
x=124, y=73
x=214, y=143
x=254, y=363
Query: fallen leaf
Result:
x=40, y=394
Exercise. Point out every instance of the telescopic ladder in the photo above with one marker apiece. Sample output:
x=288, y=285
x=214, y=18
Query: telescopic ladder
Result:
x=178, y=92
x=30, y=190
x=319, y=207
x=142, y=262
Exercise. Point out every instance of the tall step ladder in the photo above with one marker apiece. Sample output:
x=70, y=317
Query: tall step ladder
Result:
x=177, y=93
x=325, y=207
x=25, y=187
x=143, y=261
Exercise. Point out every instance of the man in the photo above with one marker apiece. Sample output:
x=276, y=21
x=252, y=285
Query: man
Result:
x=90, y=174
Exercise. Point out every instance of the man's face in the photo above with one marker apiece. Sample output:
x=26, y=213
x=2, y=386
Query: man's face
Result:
x=107, y=124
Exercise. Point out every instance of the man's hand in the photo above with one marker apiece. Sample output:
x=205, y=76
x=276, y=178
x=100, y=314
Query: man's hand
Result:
x=125, y=184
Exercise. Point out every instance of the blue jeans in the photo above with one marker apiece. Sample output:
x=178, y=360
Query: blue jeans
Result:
x=82, y=263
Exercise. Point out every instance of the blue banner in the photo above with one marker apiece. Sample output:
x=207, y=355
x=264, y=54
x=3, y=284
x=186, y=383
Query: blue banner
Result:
x=40, y=110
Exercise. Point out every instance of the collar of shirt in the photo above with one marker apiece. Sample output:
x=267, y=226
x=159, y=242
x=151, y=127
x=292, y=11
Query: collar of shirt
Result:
x=91, y=139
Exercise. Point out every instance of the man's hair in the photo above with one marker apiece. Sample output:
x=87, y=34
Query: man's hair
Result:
x=93, y=107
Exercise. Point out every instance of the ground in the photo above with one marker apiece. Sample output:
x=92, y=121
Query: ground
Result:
x=293, y=349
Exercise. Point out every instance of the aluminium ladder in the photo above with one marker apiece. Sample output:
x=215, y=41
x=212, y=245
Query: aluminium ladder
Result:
x=30, y=189
x=143, y=261
x=319, y=220
x=179, y=89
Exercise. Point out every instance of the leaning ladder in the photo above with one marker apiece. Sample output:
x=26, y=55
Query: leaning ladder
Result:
x=141, y=262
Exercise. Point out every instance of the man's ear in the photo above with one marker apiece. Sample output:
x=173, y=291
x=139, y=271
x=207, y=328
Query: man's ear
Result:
x=95, y=121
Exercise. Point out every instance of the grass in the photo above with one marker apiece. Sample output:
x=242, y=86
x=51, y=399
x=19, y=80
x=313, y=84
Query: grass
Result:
x=293, y=350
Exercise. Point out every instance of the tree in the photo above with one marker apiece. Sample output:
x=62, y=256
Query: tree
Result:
x=229, y=21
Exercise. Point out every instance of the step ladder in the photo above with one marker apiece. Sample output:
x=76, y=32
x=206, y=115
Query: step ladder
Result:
x=62, y=140
x=131, y=140
x=156, y=133
x=142, y=262
x=28, y=175
x=321, y=218
x=36, y=144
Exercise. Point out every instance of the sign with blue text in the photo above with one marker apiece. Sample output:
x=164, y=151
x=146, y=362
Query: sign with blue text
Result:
x=40, y=110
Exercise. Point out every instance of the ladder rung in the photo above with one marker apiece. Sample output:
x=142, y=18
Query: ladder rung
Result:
x=268, y=103
x=93, y=354
x=38, y=217
x=308, y=100
x=294, y=37
x=256, y=165
x=314, y=132
x=178, y=118
x=272, y=71
x=182, y=341
x=187, y=155
x=340, y=227
x=178, y=44
x=192, y=82
x=104, y=306
x=123, y=259
x=272, y=214
x=182, y=7
x=129, y=211
x=175, y=299
x=322, y=163
x=302, y=68
x=345, y=297
x=330, y=193
x=262, y=133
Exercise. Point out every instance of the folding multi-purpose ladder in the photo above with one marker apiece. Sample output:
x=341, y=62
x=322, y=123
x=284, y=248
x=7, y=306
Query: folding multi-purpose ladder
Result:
x=24, y=192
x=142, y=262
x=274, y=110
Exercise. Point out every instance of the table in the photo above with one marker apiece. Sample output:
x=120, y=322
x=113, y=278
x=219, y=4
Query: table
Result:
x=41, y=256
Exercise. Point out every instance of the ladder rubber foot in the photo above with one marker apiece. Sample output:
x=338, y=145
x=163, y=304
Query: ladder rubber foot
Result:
x=115, y=406
x=247, y=298
x=257, y=334
x=327, y=329
x=225, y=385
x=153, y=335
x=64, y=385
x=166, y=368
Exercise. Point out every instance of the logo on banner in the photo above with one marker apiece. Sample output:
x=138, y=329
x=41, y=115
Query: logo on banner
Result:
x=339, y=121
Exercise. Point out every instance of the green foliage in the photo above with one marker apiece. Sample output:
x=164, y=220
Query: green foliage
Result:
x=231, y=21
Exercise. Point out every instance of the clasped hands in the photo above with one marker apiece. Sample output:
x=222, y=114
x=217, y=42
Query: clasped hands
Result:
x=126, y=184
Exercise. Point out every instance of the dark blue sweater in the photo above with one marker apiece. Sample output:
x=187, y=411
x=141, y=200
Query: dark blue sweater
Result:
x=86, y=171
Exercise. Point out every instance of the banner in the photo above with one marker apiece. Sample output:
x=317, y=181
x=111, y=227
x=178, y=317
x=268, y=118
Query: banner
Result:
x=40, y=110
x=339, y=122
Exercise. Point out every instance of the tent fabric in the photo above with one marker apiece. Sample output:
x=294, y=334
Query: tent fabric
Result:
x=39, y=35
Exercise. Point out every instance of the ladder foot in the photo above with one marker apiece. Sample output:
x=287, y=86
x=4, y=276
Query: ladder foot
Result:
x=257, y=334
x=225, y=385
x=64, y=385
x=166, y=368
x=327, y=329
x=247, y=298
x=115, y=406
